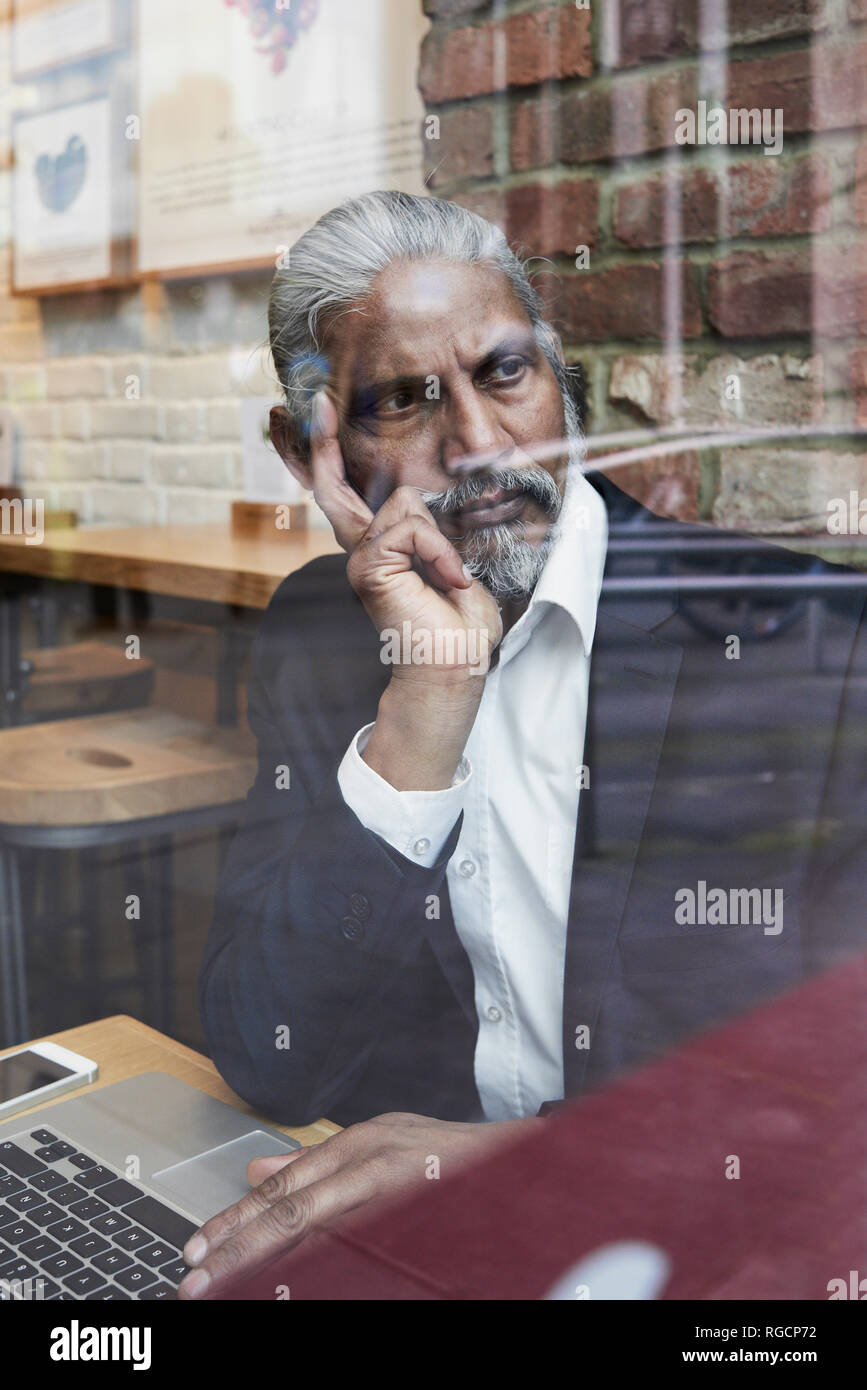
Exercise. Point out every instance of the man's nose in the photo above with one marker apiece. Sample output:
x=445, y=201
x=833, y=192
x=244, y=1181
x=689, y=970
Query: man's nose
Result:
x=475, y=436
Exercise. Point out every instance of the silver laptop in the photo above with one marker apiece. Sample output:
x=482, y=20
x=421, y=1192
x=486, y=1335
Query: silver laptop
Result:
x=99, y=1194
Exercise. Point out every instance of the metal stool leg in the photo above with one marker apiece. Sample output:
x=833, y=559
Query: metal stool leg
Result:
x=10, y=658
x=142, y=948
x=162, y=860
x=47, y=625
x=89, y=870
x=58, y=879
x=153, y=883
x=12, y=963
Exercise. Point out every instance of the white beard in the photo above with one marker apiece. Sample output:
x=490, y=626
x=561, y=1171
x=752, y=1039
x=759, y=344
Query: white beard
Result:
x=501, y=557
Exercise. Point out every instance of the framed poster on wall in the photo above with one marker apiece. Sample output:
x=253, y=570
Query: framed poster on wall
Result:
x=63, y=200
x=257, y=117
x=49, y=33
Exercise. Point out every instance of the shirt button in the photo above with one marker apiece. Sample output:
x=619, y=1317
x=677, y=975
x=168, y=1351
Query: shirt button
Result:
x=466, y=868
x=352, y=929
x=421, y=846
x=359, y=906
x=494, y=1014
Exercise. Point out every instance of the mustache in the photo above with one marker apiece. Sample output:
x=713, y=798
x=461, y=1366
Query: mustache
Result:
x=537, y=483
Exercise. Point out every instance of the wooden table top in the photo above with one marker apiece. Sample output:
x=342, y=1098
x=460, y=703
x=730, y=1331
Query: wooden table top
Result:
x=123, y=1047
x=197, y=562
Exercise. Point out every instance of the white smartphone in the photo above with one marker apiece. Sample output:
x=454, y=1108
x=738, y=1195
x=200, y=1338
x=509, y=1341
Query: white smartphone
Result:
x=40, y=1072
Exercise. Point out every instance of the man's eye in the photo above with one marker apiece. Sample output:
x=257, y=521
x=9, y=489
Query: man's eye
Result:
x=507, y=369
x=397, y=401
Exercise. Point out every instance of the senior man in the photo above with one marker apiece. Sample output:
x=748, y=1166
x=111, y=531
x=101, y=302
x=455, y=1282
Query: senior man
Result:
x=416, y=933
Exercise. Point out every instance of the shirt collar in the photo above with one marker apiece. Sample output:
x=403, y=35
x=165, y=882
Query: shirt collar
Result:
x=572, y=576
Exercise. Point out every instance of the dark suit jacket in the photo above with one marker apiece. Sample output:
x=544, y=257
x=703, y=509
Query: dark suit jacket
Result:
x=746, y=773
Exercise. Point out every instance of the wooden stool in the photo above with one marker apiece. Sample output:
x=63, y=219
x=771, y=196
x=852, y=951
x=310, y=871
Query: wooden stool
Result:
x=76, y=784
x=83, y=678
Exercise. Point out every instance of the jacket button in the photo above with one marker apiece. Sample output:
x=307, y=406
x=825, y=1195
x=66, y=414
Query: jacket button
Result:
x=352, y=929
x=359, y=906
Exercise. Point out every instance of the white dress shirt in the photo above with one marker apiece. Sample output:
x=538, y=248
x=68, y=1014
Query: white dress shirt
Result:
x=510, y=876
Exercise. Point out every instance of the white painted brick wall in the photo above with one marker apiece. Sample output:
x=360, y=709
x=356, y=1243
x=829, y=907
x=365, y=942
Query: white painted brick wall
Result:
x=81, y=462
x=75, y=420
x=127, y=420
x=185, y=422
x=73, y=499
x=37, y=421
x=23, y=384
x=35, y=459
x=136, y=438
x=223, y=420
x=196, y=465
x=128, y=461
x=177, y=378
x=129, y=374
x=192, y=507
x=125, y=505
x=88, y=376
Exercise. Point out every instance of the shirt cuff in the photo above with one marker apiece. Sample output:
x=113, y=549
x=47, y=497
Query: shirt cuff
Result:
x=416, y=824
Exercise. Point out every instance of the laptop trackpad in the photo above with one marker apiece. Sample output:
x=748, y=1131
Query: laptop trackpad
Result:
x=216, y=1179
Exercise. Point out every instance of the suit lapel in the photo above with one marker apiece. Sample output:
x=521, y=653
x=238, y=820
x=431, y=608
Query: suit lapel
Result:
x=629, y=667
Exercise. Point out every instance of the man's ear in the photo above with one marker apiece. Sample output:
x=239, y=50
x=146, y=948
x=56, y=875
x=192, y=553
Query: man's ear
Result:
x=287, y=442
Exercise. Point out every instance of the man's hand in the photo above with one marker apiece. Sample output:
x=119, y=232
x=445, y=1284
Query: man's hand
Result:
x=405, y=571
x=400, y=564
x=300, y=1193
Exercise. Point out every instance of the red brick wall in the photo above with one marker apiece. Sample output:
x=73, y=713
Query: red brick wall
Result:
x=706, y=262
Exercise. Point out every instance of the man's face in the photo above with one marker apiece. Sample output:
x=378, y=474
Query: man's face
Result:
x=440, y=384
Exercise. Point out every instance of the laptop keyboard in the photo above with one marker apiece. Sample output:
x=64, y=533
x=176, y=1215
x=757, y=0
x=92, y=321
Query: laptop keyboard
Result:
x=80, y=1227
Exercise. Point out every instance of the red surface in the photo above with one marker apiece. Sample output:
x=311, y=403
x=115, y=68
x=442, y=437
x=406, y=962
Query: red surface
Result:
x=783, y=1089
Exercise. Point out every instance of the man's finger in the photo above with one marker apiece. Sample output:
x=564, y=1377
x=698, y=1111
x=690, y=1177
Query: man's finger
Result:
x=440, y=557
x=348, y=512
x=413, y=538
x=404, y=501
x=319, y=1161
x=258, y=1169
x=280, y=1227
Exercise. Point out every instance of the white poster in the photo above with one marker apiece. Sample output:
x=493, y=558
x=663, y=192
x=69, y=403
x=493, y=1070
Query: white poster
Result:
x=62, y=196
x=48, y=33
x=258, y=117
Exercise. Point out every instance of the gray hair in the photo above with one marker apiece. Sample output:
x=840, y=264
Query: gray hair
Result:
x=334, y=265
